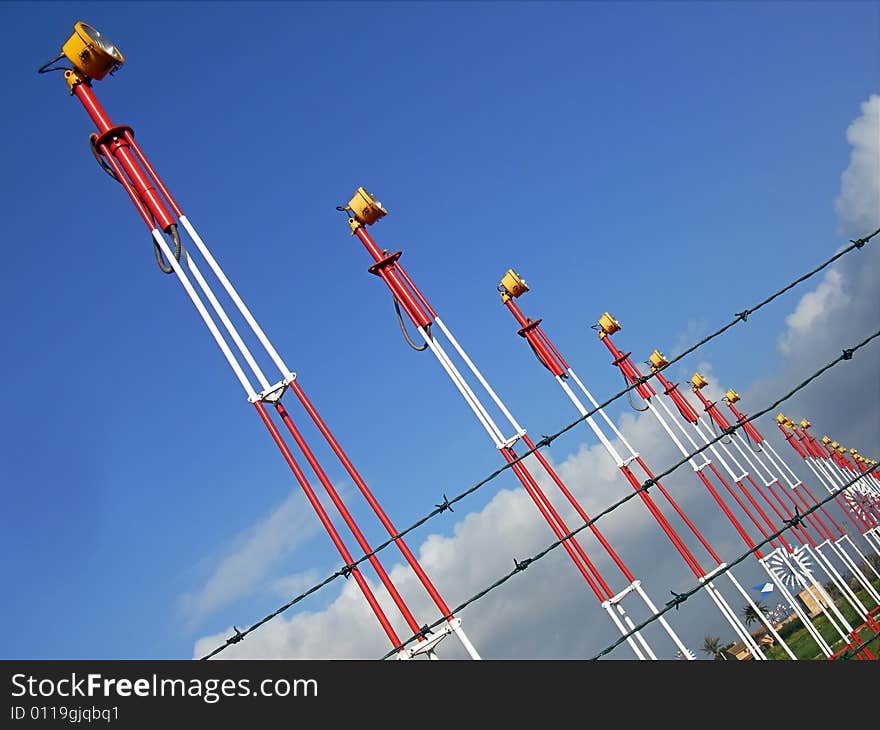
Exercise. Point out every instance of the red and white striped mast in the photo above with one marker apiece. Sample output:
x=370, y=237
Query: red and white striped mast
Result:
x=364, y=210
x=783, y=560
x=863, y=491
x=805, y=446
x=810, y=550
x=92, y=57
x=512, y=287
x=817, y=457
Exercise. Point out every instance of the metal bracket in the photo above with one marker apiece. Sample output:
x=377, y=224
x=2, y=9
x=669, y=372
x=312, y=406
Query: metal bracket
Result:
x=273, y=393
x=614, y=600
x=430, y=643
x=512, y=440
x=630, y=459
x=712, y=573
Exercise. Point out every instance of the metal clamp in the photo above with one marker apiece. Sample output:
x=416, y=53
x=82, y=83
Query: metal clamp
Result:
x=512, y=440
x=273, y=393
x=712, y=573
x=430, y=643
x=614, y=600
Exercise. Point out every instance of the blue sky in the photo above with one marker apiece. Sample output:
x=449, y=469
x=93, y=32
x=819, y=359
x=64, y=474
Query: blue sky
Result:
x=671, y=163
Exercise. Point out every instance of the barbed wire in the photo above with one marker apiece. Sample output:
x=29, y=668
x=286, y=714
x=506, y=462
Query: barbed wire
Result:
x=682, y=597
x=678, y=599
x=546, y=440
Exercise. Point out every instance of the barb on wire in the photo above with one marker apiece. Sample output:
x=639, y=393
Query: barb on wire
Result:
x=546, y=440
x=684, y=460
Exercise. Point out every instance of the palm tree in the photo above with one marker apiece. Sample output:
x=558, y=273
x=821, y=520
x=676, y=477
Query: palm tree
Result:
x=712, y=647
x=750, y=615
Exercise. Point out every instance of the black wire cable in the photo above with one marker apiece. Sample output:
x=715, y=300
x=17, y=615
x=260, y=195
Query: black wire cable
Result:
x=629, y=397
x=164, y=266
x=447, y=505
x=99, y=158
x=678, y=598
x=413, y=345
x=47, y=67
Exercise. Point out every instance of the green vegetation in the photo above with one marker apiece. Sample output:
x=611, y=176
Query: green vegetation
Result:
x=804, y=646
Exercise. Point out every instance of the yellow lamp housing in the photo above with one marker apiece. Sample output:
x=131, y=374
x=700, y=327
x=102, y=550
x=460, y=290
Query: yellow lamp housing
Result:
x=93, y=56
x=658, y=360
x=853, y=451
x=698, y=381
x=835, y=445
x=842, y=449
x=512, y=286
x=365, y=208
x=805, y=424
x=608, y=325
x=731, y=396
x=780, y=419
x=826, y=440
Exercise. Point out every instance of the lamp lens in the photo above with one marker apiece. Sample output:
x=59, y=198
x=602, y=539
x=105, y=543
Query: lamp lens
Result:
x=103, y=43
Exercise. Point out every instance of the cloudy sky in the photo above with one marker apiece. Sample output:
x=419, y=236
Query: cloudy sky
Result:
x=670, y=163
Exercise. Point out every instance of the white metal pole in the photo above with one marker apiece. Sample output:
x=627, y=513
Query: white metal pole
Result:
x=230, y=328
x=203, y=312
x=664, y=623
x=463, y=388
x=590, y=422
x=464, y=356
x=824, y=647
x=233, y=294
x=638, y=634
x=761, y=617
x=465, y=641
x=623, y=630
x=732, y=619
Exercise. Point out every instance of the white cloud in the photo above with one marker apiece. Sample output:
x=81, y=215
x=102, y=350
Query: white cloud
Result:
x=858, y=207
x=547, y=611
x=253, y=554
x=291, y=585
x=840, y=312
x=696, y=327
x=815, y=310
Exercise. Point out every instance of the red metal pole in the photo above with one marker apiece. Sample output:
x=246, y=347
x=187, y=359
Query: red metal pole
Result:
x=115, y=141
x=347, y=518
x=371, y=500
x=328, y=525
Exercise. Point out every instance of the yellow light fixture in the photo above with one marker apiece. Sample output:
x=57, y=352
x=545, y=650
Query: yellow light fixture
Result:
x=657, y=360
x=731, y=396
x=93, y=55
x=512, y=286
x=698, y=381
x=608, y=325
x=365, y=208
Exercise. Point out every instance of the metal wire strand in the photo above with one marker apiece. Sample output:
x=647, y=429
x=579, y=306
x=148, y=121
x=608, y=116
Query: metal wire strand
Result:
x=447, y=503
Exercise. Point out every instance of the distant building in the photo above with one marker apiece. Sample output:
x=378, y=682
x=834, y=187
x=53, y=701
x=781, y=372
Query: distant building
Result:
x=810, y=600
x=740, y=652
